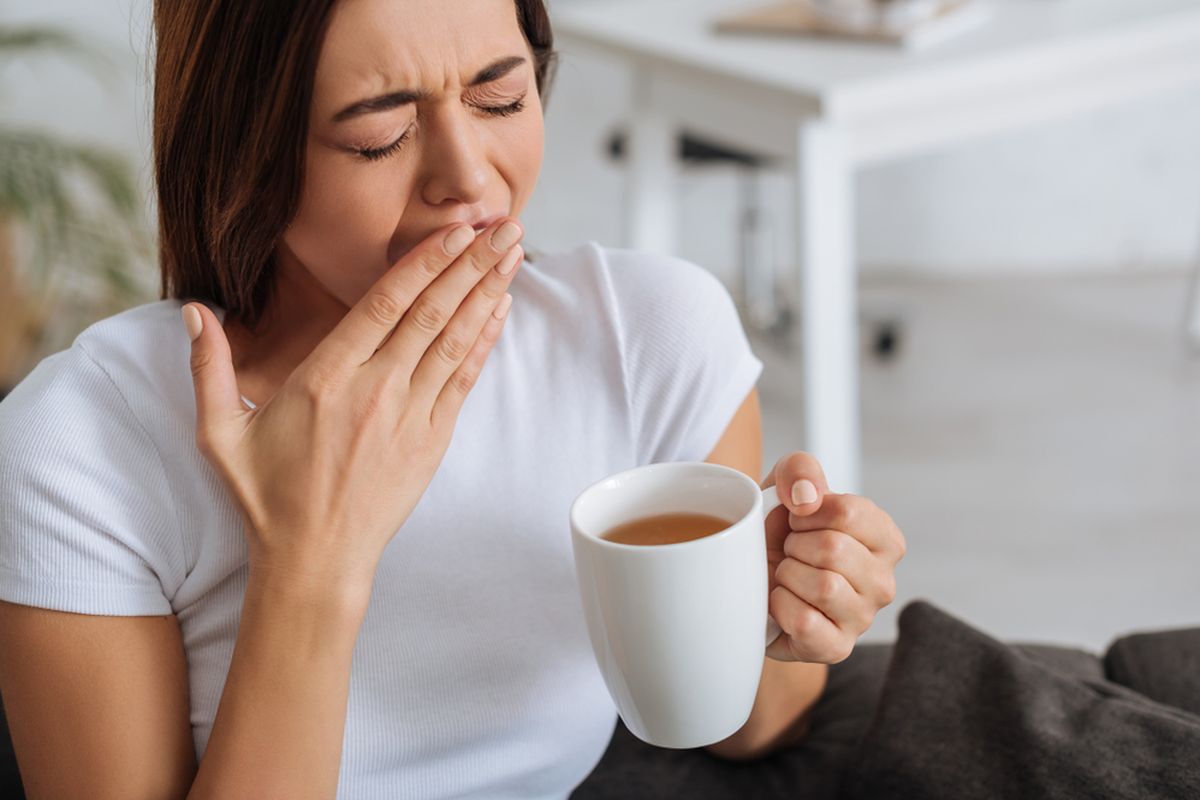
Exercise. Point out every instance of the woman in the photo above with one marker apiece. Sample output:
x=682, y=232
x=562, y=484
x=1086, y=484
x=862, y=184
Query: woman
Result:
x=334, y=559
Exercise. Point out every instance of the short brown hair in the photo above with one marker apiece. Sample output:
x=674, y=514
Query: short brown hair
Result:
x=233, y=82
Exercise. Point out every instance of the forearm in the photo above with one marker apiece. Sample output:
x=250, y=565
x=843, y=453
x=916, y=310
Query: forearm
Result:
x=782, y=710
x=279, y=727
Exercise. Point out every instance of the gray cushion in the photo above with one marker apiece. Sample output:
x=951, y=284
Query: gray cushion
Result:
x=1162, y=665
x=632, y=769
x=963, y=715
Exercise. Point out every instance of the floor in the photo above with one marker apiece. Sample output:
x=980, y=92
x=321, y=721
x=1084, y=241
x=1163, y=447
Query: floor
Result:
x=1038, y=441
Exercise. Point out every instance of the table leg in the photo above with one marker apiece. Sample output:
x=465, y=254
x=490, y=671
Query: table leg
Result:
x=828, y=303
x=1191, y=316
x=651, y=181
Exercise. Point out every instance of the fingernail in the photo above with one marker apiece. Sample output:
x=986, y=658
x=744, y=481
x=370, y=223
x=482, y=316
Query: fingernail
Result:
x=509, y=263
x=458, y=239
x=508, y=234
x=502, y=306
x=192, y=321
x=804, y=492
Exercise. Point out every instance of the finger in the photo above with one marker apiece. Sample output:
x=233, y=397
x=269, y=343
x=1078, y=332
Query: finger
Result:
x=856, y=516
x=371, y=320
x=442, y=359
x=828, y=592
x=449, y=402
x=839, y=552
x=433, y=311
x=213, y=378
x=800, y=482
x=808, y=634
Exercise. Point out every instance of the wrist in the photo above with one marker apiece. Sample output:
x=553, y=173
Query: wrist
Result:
x=332, y=590
x=787, y=693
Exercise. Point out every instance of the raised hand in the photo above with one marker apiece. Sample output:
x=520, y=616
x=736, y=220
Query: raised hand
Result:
x=332, y=465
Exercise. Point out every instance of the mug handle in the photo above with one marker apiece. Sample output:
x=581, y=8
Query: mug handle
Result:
x=771, y=501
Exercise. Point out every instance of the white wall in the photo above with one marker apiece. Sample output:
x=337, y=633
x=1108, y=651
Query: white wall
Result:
x=1114, y=191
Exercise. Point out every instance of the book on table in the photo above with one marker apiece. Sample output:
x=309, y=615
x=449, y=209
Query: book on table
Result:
x=910, y=24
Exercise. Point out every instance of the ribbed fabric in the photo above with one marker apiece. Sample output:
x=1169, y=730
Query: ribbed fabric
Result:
x=472, y=675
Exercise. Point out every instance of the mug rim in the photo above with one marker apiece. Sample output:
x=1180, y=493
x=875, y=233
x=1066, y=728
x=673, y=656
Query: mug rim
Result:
x=579, y=529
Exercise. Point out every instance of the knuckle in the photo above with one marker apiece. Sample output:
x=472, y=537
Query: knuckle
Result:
x=865, y=617
x=827, y=585
x=481, y=264
x=432, y=266
x=871, y=511
x=463, y=381
x=429, y=317
x=831, y=549
x=205, y=443
x=200, y=361
x=868, y=516
x=804, y=622
x=317, y=386
x=383, y=309
x=841, y=651
x=845, y=515
x=452, y=348
x=489, y=334
x=314, y=393
x=492, y=291
x=370, y=404
x=888, y=590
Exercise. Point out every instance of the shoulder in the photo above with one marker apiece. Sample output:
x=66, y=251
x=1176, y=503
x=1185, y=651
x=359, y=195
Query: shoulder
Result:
x=657, y=272
x=140, y=346
x=110, y=380
x=629, y=268
x=684, y=358
x=636, y=285
x=87, y=513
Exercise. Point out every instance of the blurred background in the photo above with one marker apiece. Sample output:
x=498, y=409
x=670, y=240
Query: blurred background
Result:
x=1030, y=411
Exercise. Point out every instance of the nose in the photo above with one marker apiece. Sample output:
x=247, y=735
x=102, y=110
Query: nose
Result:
x=455, y=161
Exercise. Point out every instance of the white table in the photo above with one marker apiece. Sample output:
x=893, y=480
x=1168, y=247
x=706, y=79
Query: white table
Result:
x=829, y=107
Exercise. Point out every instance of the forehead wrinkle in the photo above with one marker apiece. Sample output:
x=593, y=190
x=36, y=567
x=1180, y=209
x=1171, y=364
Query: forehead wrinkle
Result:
x=384, y=52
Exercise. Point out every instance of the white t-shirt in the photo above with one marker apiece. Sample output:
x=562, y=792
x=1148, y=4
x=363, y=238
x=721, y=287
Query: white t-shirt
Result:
x=473, y=675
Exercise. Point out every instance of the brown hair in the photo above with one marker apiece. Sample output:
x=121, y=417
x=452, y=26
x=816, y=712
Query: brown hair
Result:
x=233, y=82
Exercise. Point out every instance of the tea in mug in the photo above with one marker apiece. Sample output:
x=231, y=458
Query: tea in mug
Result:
x=666, y=529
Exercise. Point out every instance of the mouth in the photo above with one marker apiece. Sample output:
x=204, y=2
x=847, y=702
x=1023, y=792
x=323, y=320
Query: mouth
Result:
x=486, y=221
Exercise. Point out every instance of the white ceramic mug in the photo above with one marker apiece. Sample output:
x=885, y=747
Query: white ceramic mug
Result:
x=677, y=629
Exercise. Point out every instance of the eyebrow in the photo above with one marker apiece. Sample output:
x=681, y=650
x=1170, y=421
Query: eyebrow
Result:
x=384, y=102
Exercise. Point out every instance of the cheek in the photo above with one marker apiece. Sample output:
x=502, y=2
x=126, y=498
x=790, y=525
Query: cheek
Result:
x=525, y=148
x=346, y=218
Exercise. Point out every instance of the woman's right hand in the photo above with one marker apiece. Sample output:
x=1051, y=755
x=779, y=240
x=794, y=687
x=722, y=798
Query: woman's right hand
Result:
x=332, y=465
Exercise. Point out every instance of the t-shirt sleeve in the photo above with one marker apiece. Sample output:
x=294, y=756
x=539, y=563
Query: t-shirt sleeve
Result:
x=688, y=363
x=86, y=520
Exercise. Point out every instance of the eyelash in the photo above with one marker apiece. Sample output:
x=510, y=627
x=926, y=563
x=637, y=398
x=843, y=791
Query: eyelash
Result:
x=515, y=107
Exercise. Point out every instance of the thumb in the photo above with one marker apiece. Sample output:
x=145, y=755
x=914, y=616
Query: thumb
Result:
x=213, y=379
x=800, y=483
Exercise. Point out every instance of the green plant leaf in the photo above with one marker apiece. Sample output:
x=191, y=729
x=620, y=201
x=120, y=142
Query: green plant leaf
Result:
x=40, y=176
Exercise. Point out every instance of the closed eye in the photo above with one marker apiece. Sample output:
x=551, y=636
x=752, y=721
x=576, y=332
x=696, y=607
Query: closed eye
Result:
x=368, y=154
x=505, y=111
